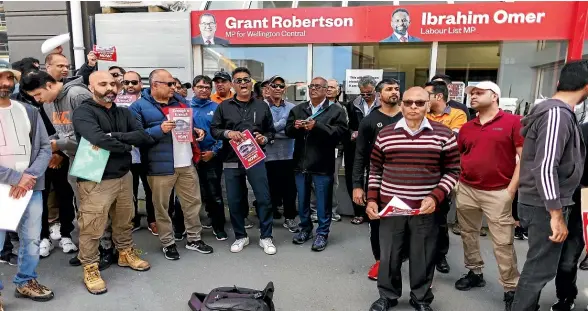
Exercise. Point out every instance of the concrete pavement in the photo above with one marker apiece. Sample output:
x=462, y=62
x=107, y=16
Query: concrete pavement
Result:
x=334, y=280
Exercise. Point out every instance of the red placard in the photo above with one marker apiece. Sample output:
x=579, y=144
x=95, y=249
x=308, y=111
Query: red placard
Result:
x=248, y=150
x=106, y=53
x=125, y=100
x=490, y=21
x=397, y=207
x=585, y=226
x=183, y=119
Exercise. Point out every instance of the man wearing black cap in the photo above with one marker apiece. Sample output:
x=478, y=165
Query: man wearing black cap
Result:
x=222, y=84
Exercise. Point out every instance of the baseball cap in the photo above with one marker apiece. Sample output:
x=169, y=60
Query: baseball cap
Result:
x=8, y=68
x=274, y=78
x=484, y=85
x=223, y=75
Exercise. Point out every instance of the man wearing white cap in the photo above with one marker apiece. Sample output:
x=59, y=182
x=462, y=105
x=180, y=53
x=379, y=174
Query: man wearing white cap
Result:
x=488, y=190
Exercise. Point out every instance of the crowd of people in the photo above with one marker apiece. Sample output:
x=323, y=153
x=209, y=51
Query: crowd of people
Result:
x=417, y=146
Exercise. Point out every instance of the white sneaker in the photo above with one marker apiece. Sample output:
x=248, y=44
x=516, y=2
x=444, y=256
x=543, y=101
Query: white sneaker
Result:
x=55, y=231
x=268, y=246
x=68, y=246
x=45, y=248
x=239, y=244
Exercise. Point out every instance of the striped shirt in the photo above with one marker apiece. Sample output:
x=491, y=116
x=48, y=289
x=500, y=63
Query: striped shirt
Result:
x=413, y=167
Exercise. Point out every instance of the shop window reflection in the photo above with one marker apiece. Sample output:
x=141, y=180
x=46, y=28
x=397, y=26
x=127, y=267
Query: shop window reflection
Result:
x=225, y=5
x=263, y=62
x=310, y=4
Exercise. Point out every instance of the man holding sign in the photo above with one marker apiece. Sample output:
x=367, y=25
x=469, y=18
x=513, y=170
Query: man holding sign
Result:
x=23, y=161
x=415, y=161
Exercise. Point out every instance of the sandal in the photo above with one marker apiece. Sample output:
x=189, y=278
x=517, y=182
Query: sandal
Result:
x=357, y=220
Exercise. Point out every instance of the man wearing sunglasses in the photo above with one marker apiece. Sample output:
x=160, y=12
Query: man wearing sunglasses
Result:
x=222, y=84
x=231, y=118
x=279, y=163
x=132, y=84
x=316, y=126
x=417, y=161
x=361, y=107
x=170, y=164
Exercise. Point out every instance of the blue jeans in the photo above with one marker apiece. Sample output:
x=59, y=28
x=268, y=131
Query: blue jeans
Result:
x=235, y=181
x=29, y=232
x=323, y=186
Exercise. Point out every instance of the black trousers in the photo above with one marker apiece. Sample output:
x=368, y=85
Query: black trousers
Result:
x=210, y=175
x=443, y=235
x=421, y=232
x=282, y=186
x=8, y=246
x=176, y=214
x=64, y=196
x=545, y=259
x=139, y=170
x=349, y=156
x=375, y=238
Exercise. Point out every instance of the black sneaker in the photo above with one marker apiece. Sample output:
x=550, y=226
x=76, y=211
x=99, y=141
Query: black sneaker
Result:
x=75, y=261
x=420, y=307
x=10, y=259
x=483, y=232
x=383, y=304
x=518, y=234
x=470, y=280
x=584, y=265
x=107, y=257
x=207, y=223
x=442, y=265
x=320, y=243
x=508, y=299
x=199, y=246
x=301, y=237
x=178, y=236
x=171, y=252
x=563, y=305
x=220, y=235
x=136, y=226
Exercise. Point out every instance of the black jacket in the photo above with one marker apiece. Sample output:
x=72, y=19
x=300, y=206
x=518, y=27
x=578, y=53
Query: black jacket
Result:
x=231, y=115
x=314, y=150
x=457, y=105
x=369, y=128
x=93, y=122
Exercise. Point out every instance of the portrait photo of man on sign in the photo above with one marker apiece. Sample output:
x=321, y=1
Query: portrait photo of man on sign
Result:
x=400, y=22
x=207, y=32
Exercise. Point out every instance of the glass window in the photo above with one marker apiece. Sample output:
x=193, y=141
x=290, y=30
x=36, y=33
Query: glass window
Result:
x=225, y=5
x=270, y=4
x=309, y=4
x=263, y=62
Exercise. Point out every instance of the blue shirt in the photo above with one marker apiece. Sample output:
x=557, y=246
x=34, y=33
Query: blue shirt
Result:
x=282, y=147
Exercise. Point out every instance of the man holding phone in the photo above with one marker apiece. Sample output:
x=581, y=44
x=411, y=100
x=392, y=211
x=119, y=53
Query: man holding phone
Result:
x=232, y=117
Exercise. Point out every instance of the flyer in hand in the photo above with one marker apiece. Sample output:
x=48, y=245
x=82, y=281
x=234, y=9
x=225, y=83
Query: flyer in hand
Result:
x=106, y=53
x=397, y=207
x=90, y=161
x=584, y=203
x=183, y=118
x=248, y=151
x=125, y=100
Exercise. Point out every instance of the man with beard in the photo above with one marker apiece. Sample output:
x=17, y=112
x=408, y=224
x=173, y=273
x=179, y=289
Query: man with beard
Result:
x=60, y=99
x=370, y=126
x=26, y=154
x=361, y=107
x=551, y=164
x=106, y=126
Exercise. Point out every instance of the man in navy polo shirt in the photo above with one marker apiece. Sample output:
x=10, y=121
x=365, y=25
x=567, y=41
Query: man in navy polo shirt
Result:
x=489, y=188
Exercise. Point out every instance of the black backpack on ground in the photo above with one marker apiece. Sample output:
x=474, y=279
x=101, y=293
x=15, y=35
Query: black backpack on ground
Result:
x=234, y=299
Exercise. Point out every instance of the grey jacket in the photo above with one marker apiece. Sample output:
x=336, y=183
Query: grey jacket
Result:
x=40, y=153
x=60, y=112
x=552, y=162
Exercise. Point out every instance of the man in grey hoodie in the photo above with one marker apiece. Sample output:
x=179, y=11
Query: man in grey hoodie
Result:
x=552, y=164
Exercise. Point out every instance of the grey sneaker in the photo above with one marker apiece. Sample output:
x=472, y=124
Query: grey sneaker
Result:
x=313, y=218
x=248, y=223
x=291, y=225
x=336, y=217
x=207, y=223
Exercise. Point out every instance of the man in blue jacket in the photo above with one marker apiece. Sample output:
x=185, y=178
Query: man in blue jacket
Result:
x=209, y=168
x=169, y=164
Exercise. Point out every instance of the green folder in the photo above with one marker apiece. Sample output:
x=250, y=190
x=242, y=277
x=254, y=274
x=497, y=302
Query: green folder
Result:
x=89, y=163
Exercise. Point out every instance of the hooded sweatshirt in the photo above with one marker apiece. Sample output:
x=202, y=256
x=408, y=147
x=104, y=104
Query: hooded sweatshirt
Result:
x=60, y=112
x=552, y=162
x=202, y=112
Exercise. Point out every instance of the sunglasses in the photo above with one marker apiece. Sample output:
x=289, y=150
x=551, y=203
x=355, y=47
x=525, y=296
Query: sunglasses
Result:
x=366, y=94
x=278, y=86
x=131, y=82
x=316, y=86
x=116, y=74
x=242, y=80
x=169, y=84
x=418, y=103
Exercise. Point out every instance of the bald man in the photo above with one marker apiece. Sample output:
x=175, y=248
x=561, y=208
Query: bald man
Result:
x=170, y=163
x=414, y=146
x=112, y=128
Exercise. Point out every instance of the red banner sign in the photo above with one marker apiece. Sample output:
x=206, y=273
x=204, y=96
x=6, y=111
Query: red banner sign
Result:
x=491, y=21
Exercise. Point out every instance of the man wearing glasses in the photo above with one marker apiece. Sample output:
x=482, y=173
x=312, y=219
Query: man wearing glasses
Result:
x=170, y=164
x=279, y=164
x=317, y=126
x=207, y=32
x=427, y=150
x=231, y=118
x=361, y=107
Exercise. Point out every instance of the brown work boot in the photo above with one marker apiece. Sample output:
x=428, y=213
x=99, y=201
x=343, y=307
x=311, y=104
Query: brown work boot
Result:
x=34, y=291
x=129, y=258
x=94, y=282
